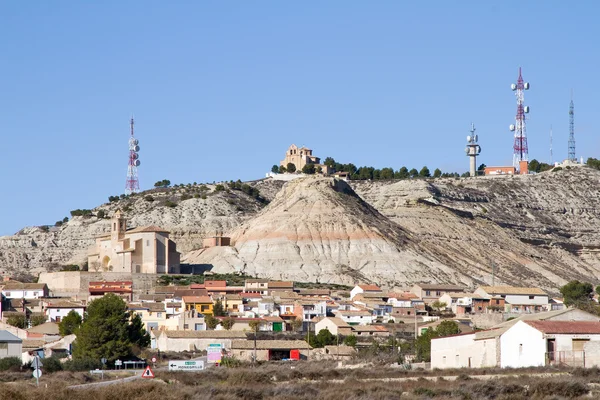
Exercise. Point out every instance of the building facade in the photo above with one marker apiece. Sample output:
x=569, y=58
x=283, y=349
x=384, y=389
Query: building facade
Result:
x=146, y=250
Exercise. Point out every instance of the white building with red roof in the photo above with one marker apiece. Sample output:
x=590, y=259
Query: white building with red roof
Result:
x=364, y=289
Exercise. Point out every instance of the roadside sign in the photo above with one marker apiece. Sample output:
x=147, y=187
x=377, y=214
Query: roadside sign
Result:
x=36, y=363
x=213, y=352
x=188, y=365
x=103, y=360
x=37, y=373
x=118, y=363
x=148, y=373
x=153, y=359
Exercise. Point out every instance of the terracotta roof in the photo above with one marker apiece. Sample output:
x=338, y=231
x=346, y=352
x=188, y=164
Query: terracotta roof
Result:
x=314, y=292
x=197, y=299
x=32, y=344
x=251, y=295
x=461, y=295
x=173, y=305
x=233, y=297
x=566, y=327
x=373, y=288
x=257, y=281
x=512, y=290
x=270, y=344
x=285, y=294
x=205, y=334
x=64, y=304
x=213, y=284
x=433, y=286
x=273, y=319
x=190, y=292
x=153, y=297
x=281, y=284
x=150, y=228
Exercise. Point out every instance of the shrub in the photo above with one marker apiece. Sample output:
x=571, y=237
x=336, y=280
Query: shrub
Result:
x=36, y=320
x=219, y=188
x=171, y=204
x=17, y=321
x=10, y=363
x=100, y=214
x=80, y=212
x=81, y=364
x=557, y=169
x=185, y=197
x=149, y=198
x=52, y=364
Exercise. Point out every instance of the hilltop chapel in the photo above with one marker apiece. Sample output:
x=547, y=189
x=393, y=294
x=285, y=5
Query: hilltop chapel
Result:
x=146, y=250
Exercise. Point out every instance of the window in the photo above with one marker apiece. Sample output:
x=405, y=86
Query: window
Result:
x=521, y=349
x=7, y=294
x=3, y=346
x=438, y=293
x=497, y=301
x=427, y=293
x=57, y=319
x=186, y=326
x=147, y=243
x=158, y=315
x=531, y=297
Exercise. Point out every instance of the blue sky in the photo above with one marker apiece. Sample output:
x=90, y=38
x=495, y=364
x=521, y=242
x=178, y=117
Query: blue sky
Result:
x=219, y=90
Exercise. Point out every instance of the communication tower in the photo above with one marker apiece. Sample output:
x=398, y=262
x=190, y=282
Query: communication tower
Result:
x=520, y=151
x=132, y=184
x=572, y=156
x=472, y=150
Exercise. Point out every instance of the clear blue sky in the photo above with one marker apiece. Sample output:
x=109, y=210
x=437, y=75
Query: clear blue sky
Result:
x=219, y=90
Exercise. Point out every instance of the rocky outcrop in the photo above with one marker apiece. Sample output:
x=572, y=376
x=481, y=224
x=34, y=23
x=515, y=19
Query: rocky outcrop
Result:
x=537, y=230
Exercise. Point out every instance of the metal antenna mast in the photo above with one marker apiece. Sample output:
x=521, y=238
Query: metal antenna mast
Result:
x=132, y=184
x=572, y=156
x=520, y=150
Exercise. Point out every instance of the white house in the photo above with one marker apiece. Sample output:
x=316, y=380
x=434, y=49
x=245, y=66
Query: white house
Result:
x=355, y=317
x=364, y=289
x=540, y=343
x=57, y=310
x=484, y=348
x=10, y=345
x=28, y=291
x=517, y=299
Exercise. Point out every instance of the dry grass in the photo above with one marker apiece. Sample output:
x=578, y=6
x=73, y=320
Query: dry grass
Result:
x=310, y=381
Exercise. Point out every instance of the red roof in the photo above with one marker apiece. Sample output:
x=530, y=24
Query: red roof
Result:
x=251, y=295
x=197, y=299
x=373, y=288
x=210, y=284
x=197, y=286
x=566, y=327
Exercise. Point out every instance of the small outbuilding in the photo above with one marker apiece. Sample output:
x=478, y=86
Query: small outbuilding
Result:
x=270, y=350
x=10, y=345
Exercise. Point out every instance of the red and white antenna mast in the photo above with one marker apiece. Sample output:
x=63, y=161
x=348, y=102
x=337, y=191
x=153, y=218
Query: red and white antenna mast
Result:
x=520, y=151
x=132, y=185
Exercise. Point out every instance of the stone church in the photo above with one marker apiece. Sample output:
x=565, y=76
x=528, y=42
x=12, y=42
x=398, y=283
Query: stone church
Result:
x=146, y=250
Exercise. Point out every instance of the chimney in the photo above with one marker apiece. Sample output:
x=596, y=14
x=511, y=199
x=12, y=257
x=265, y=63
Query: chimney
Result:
x=523, y=167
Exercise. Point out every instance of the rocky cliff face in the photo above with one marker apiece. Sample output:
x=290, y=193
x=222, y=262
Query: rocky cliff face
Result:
x=526, y=230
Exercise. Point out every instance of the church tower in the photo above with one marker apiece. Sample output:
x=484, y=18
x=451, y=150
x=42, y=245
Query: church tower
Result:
x=118, y=226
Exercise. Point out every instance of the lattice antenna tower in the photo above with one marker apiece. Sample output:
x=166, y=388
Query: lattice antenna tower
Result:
x=572, y=156
x=132, y=185
x=520, y=150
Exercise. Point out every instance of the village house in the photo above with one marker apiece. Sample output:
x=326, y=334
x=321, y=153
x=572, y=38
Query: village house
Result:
x=541, y=343
x=153, y=315
x=177, y=340
x=201, y=304
x=370, y=330
x=335, y=325
x=260, y=286
x=309, y=309
x=465, y=303
x=123, y=289
x=146, y=250
x=482, y=349
x=517, y=299
x=57, y=310
x=364, y=289
x=10, y=345
x=355, y=317
x=430, y=293
x=278, y=286
x=270, y=350
x=28, y=291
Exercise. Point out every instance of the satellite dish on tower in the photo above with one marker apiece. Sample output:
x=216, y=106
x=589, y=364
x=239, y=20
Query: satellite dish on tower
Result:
x=513, y=86
x=511, y=127
x=526, y=85
x=526, y=109
x=469, y=139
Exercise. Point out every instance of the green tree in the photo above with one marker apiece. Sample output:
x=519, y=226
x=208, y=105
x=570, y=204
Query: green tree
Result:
x=482, y=167
x=402, y=173
x=290, y=167
x=423, y=342
x=218, y=309
x=70, y=323
x=210, y=321
x=282, y=169
x=534, y=165
x=350, y=340
x=109, y=331
x=319, y=169
x=36, y=320
x=438, y=305
x=386, y=173
x=424, y=173
x=309, y=169
x=296, y=324
x=413, y=173
x=228, y=323
x=437, y=173
x=593, y=163
x=254, y=325
x=576, y=292
x=330, y=162
x=100, y=214
x=321, y=339
x=275, y=169
x=17, y=320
